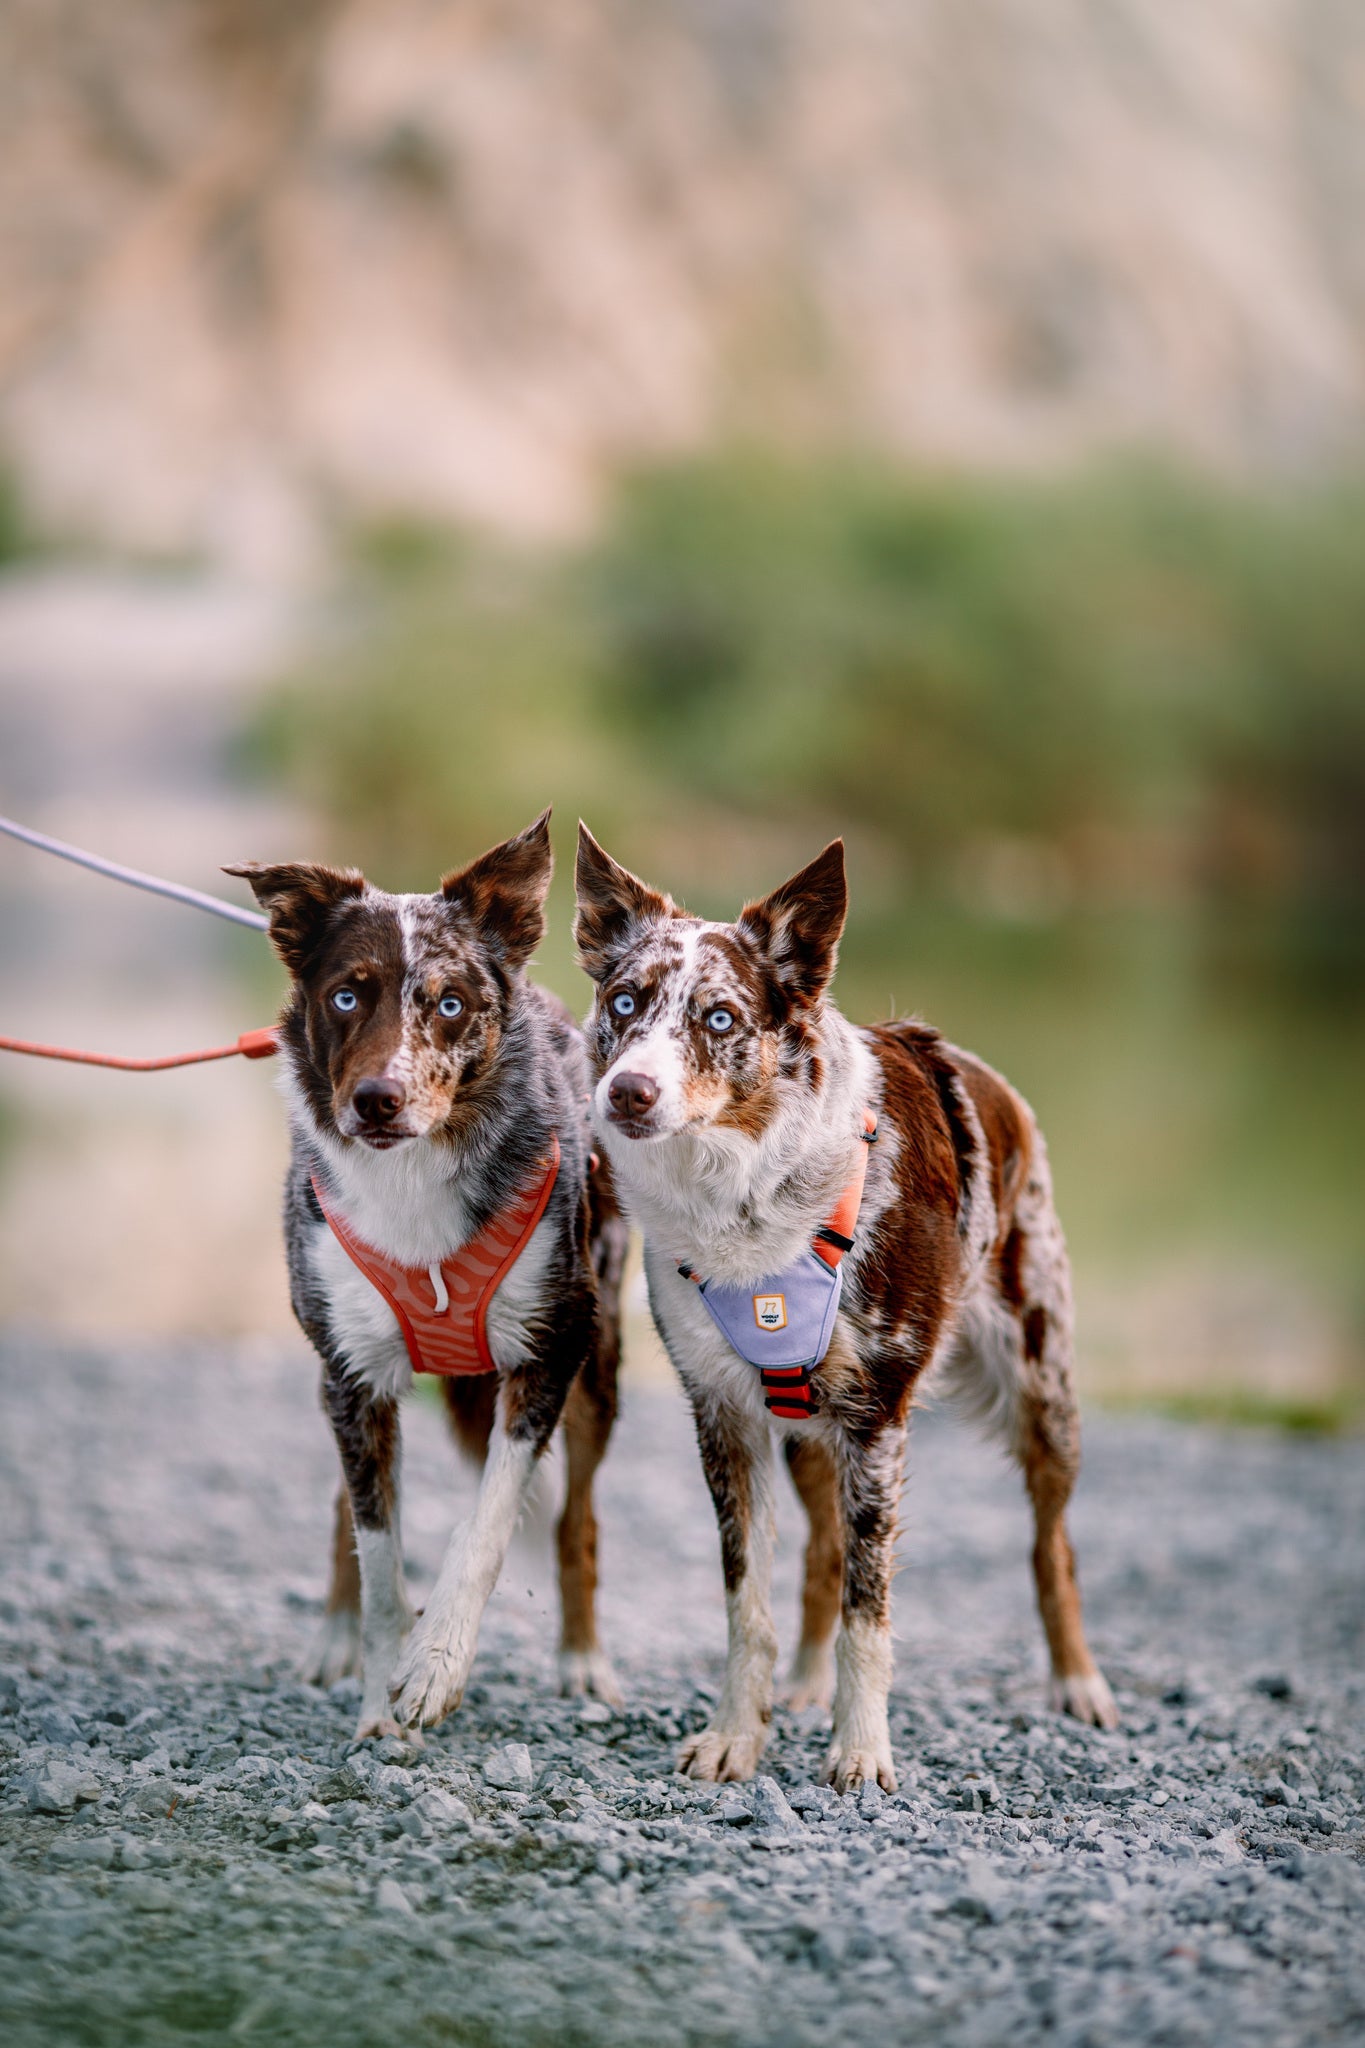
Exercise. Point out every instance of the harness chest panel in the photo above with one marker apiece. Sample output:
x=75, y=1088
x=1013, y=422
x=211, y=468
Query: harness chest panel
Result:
x=442, y=1309
x=785, y=1319
x=784, y=1322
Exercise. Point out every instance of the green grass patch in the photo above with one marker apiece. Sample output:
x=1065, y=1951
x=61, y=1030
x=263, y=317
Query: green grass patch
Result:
x=1242, y=1408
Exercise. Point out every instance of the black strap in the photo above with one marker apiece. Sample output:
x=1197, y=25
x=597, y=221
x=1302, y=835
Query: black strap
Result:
x=835, y=1237
x=788, y=1384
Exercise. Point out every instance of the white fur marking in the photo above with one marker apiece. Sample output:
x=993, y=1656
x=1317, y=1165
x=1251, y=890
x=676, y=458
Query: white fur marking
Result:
x=861, y=1747
x=387, y=1619
x=431, y=1676
x=730, y=1747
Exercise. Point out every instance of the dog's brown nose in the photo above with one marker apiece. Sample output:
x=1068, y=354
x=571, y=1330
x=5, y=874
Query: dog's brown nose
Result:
x=632, y=1096
x=377, y=1101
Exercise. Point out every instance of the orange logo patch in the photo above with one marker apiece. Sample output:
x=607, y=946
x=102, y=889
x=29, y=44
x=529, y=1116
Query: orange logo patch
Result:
x=770, y=1311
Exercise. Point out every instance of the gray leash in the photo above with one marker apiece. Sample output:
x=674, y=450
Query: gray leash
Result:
x=196, y=898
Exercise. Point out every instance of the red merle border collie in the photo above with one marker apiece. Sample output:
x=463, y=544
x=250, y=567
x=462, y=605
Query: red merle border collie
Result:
x=429, y=1086
x=732, y=1099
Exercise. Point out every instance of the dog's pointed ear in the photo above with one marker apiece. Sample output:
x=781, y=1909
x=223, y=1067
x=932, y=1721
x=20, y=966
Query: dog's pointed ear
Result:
x=798, y=927
x=299, y=897
x=614, y=906
x=503, y=892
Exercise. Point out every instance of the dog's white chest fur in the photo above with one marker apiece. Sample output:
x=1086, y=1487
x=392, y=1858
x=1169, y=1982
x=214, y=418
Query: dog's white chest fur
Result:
x=740, y=1208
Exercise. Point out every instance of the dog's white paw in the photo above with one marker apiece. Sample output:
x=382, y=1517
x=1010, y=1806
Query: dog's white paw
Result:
x=334, y=1651
x=429, y=1679
x=374, y=1728
x=588, y=1673
x=810, y=1682
x=720, y=1754
x=1086, y=1697
x=852, y=1764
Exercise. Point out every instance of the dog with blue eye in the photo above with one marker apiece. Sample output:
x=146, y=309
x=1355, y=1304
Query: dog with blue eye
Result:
x=441, y=1217
x=834, y=1217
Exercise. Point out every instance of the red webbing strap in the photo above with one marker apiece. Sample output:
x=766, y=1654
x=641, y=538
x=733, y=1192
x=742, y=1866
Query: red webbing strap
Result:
x=491, y=1286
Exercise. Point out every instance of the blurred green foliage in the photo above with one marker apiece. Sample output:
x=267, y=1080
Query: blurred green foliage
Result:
x=16, y=536
x=1097, y=745
x=1128, y=653
x=1129, y=683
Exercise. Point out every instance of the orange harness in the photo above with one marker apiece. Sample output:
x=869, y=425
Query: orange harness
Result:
x=442, y=1309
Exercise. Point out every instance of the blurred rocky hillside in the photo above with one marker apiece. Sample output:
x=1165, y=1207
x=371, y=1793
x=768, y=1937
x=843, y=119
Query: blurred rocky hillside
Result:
x=269, y=267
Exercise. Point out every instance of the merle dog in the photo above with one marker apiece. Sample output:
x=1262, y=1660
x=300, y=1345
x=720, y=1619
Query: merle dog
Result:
x=734, y=1102
x=441, y=1212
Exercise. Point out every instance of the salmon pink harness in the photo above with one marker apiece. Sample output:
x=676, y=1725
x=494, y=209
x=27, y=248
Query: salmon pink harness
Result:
x=442, y=1309
x=783, y=1323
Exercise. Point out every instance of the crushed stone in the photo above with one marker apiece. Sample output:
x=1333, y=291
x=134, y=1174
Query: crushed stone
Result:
x=192, y=1848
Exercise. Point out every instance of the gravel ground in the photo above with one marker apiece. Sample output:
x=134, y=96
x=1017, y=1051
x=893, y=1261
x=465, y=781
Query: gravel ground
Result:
x=193, y=1851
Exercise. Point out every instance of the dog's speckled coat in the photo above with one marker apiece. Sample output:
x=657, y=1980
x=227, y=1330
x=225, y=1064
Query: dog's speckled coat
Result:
x=426, y=1078
x=729, y=1097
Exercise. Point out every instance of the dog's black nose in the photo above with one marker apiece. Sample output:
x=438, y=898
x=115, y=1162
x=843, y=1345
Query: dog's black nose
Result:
x=632, y=1096
x=377, y=1101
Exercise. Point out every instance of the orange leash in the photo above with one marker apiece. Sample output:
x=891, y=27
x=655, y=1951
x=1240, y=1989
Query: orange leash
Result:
x=252, y=1045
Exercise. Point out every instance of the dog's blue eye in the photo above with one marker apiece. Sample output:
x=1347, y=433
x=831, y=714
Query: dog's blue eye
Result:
x=623, y=1004
x=449, y=1006
x=719, y=1020
x=345, y=999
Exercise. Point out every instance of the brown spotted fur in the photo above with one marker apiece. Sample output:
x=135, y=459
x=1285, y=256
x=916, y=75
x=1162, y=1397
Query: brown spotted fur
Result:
x=958, y=1276
x=485, y=1087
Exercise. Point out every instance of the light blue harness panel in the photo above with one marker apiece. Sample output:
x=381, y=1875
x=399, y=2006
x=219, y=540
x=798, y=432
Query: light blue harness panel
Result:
x=783, y=1323
x=783, y=1320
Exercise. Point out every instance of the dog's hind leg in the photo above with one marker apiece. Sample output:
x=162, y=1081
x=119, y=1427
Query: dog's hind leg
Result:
x=365, y=1425
x=810, y=1682
x=471, y=1400
x=589, y=1414
x=1049, y=1454
x=1035, y=1285
x=335, y=1650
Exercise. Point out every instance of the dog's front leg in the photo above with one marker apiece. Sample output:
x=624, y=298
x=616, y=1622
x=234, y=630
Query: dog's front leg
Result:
x=429, y=1680
x=870, y=1482
x=365, y=1425
x=737, y=1458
